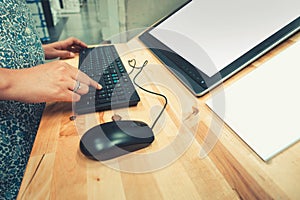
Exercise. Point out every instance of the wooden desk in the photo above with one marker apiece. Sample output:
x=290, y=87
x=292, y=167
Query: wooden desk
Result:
x=171, y=167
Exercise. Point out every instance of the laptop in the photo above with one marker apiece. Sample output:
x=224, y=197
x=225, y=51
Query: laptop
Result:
x=205, y=42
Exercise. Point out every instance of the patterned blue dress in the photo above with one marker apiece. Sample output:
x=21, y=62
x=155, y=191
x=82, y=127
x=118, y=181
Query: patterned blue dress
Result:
x=20, y=47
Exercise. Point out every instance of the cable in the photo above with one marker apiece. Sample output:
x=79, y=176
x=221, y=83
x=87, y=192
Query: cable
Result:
x=134, y=65
x=151, y=92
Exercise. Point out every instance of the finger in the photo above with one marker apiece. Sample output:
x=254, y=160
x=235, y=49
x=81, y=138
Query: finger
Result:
x=83, y=78
x=95, y=84
x=65, y=54
x=74, y=41
x=74, y=48
x=74, y=97
x=69, y=96
x=80, y=89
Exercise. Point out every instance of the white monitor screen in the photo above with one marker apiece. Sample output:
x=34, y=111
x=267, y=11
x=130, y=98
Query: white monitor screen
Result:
x=224, y=30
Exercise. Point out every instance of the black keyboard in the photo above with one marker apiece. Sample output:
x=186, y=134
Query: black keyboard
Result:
x=104, y=65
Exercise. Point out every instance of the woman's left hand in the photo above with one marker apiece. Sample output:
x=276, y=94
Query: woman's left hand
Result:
x=63, y=49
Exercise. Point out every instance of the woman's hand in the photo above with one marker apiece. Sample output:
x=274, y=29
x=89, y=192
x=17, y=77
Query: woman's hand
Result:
x=63, y=49
x=53, y=81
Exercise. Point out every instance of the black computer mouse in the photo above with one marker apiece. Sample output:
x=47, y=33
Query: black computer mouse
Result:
x=114, y=139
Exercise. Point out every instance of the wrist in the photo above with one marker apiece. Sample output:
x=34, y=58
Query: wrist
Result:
x=6, y=83
x=45, y=48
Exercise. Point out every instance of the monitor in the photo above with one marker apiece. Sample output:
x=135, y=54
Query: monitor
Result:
x=205, y=42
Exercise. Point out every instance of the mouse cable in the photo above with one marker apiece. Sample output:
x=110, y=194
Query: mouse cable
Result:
x=151, y=92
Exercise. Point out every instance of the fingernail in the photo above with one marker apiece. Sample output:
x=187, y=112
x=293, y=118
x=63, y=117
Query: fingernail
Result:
x=99, y=87
x=72, y=54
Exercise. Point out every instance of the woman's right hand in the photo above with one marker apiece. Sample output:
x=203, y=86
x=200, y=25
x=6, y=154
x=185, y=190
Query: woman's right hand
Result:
x=53, y=81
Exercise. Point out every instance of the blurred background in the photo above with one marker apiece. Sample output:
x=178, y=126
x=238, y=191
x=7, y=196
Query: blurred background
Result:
x=97, y=21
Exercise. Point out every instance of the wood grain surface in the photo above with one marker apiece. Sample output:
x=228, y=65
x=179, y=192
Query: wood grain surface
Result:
x=194, y=155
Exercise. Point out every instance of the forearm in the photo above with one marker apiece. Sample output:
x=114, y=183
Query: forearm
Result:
x=24, y=85
x=16, y=85
x=53, y=81
x=7, y=78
